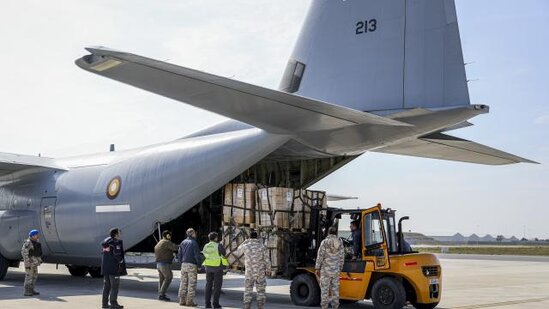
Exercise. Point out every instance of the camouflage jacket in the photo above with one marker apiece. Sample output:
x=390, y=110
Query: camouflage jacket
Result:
x=256, y=256
x=330, y=255
x=28, y=259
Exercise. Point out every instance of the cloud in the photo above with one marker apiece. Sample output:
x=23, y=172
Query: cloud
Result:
x=544, y=119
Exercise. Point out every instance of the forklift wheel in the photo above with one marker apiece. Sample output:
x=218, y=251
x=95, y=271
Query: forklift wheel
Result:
x=304, y=291
x=388, y=293
x=425, y=306
x=3, y=267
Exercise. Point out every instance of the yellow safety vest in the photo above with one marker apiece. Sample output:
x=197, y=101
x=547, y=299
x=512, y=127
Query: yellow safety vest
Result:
x=212, y=256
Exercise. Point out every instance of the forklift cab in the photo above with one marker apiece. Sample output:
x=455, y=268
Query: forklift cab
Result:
x=372, y=242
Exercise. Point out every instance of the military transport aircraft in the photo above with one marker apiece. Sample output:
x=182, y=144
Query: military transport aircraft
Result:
x=381, y=75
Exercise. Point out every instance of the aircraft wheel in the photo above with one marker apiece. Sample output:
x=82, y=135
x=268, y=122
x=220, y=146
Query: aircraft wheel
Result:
x=78, y=271
x=304, y=290
x=388, y=293
x=95, y=272
x=3, y=267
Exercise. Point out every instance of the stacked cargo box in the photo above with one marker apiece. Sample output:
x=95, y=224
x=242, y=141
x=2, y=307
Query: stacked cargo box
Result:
x=233, y=236
x=273, y=211
x=239, y=203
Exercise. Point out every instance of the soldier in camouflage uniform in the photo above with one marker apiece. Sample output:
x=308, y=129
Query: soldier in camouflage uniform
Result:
x=32, y=258
x=329, y=263
x=257, y=267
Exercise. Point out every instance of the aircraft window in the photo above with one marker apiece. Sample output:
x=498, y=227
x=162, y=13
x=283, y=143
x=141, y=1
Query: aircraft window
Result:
x=372, y=229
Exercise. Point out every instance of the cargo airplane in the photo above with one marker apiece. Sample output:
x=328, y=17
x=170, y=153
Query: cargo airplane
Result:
x=384, y=76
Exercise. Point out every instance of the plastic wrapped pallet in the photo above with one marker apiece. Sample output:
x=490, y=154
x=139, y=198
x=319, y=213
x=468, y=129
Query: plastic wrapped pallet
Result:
x=273, y=207
x=233, y=236
x=277, y=248
x=303, y=202
x=239, y=203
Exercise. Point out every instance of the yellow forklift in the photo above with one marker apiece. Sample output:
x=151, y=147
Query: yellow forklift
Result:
x=388, y=272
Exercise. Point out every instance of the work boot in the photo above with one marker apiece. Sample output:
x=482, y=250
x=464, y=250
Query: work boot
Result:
x=163, y=298
x=28, y=291
x=34, y=292
x=181, y=302
x=191, y=305
x=116, y=306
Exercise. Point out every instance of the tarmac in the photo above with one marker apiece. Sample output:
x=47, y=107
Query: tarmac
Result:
x=469, y=282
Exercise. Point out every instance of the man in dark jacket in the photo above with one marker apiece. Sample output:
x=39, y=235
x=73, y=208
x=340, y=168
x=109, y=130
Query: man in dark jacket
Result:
x=112, y=267
x=164, y=252
x=189, y=256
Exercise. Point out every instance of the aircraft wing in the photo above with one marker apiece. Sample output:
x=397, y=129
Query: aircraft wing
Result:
x=446, y=147
x=271, y=110
x=10, y=163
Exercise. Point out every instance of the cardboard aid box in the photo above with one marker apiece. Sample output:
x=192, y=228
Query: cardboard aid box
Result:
x=277, y=249
x=239, y=203
x=273, y=207
x=233, y=236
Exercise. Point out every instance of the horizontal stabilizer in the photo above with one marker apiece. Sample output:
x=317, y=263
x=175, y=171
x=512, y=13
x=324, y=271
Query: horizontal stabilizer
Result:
x=271, y=110
x=10, y=163
x=446, y=147
x=335, y=198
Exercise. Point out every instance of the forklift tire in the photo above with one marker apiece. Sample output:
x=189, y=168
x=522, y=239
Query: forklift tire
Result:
x=388, y=293
x=3, y=267
x=95, y=272
x=305, y=291
x=77, y=271
x=425, y=306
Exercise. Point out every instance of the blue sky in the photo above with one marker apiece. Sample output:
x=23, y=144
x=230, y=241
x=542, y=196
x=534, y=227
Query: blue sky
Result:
x=50, y=106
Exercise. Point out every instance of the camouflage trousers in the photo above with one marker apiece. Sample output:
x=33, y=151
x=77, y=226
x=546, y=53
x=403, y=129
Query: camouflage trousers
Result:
x=31, y=274
x=260, y=283
x=329, y=290
x=187, y=288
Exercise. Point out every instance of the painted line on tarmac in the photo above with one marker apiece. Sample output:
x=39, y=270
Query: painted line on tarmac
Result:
x=505, y=303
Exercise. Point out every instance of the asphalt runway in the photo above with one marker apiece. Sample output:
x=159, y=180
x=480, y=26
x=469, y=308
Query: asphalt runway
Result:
x=469, y=282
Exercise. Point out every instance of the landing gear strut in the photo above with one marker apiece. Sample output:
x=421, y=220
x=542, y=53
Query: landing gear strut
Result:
x=3, y=267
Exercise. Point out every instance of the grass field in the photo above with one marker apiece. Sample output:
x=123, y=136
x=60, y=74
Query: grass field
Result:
x=491, y=250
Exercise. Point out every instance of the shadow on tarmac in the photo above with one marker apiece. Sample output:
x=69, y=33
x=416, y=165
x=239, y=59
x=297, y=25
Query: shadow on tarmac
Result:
x=53, y=286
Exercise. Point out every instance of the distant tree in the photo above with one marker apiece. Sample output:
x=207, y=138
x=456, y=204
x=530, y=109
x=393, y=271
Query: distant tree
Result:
x=500, y=238
x=523, y=239
x=536, y=239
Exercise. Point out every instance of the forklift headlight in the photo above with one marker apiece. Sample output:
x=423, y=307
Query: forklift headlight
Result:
x=430, y=271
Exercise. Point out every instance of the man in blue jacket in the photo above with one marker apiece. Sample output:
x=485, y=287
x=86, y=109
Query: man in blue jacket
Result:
x=189, y=256
x=112, y=267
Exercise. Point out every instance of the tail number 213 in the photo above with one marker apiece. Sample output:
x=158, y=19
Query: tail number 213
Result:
x=366, y=26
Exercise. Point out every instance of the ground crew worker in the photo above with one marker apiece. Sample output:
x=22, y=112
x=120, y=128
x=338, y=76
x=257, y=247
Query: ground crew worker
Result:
x=32, y=258
x=113, y=266
x=329, y=263
x=258, y=265
x=189, y=256
x=214, y=261
x=357, y=240
x=163, y=253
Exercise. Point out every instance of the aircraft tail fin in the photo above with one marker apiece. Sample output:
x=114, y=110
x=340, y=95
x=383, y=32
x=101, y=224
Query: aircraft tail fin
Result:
x=379, y=55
